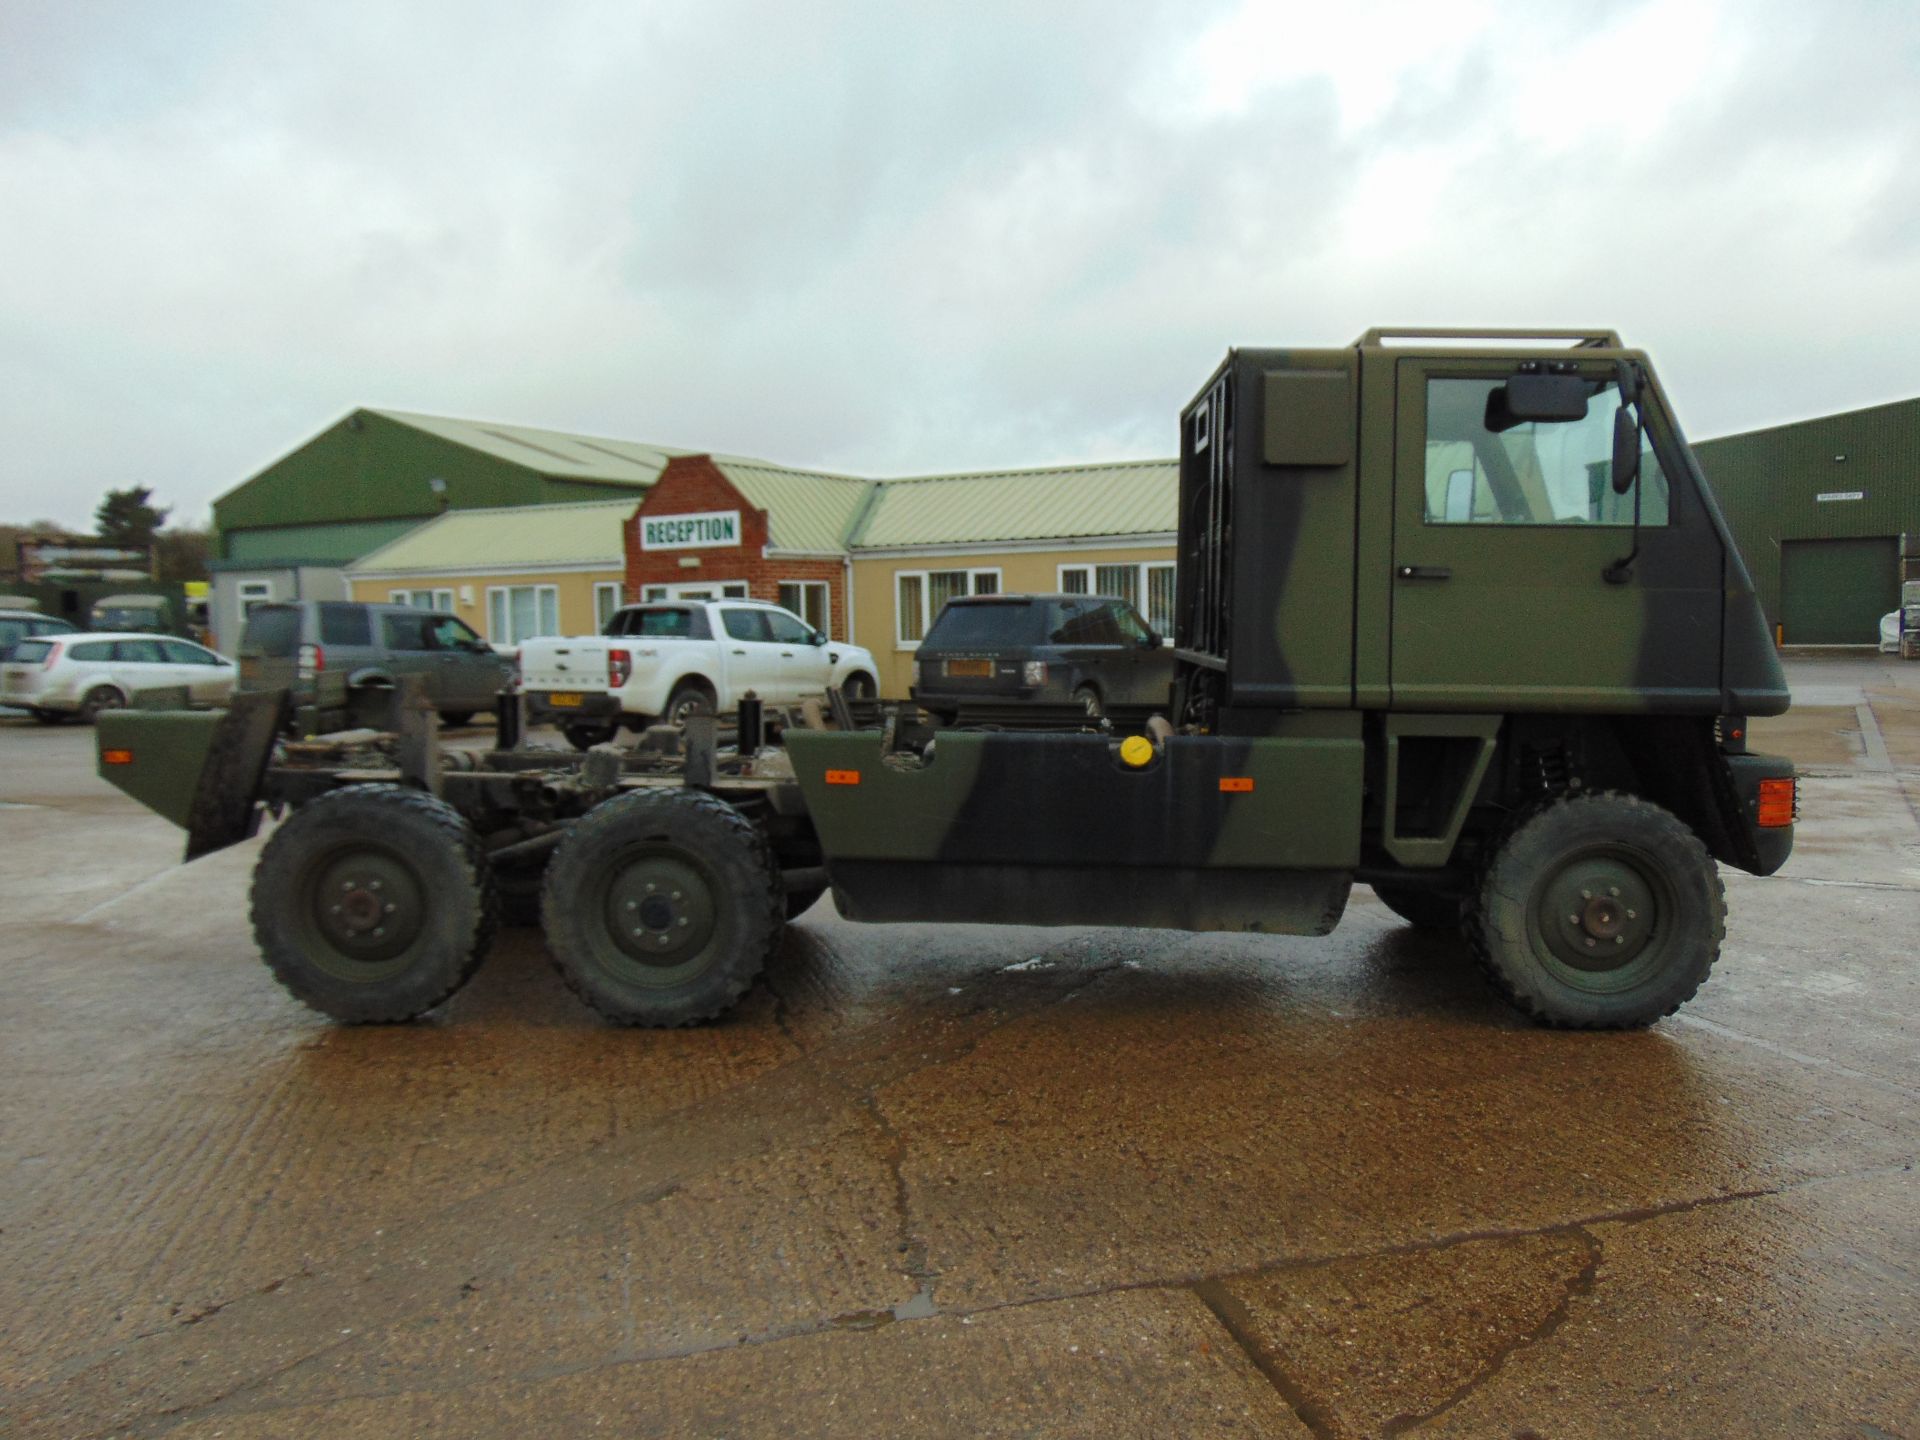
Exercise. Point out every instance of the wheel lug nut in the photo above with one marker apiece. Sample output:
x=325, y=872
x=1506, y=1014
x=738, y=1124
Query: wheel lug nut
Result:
x=1590, y=942
x=336, y=909
x=683, y=920
x=1633, y=914
x=391, y=907
x=1586, y=894
x=676, y=895
x=1614, y=892
x=378, y=931
x=1573, y=919
x=1619, y=939
x=649, y=887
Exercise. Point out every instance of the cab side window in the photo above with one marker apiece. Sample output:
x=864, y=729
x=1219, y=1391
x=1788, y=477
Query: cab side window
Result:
x=449, y=633
x=787, y=630
x=1535, y=473
x=407, y=632
x=745, y=624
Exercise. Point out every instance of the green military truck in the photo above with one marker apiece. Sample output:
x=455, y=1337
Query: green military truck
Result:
x=1457, y=618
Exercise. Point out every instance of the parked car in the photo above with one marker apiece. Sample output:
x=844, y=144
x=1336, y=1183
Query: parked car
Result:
x=317, y=649
x=18, y=625
x=59, y=676
x=668, y=659
x=1093, y=651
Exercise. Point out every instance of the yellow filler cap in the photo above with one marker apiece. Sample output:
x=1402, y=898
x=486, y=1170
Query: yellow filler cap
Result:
x=1136, y=750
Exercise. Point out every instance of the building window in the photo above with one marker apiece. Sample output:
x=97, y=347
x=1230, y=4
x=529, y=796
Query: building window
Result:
x=920, y=596
x=423, y=599
x=1147, y=586
x=809, y=600
x=606, y=600
x=521, y=612
x=252, y=593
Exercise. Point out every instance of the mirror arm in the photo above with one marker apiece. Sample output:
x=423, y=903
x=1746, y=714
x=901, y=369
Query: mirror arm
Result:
x=1620, y=571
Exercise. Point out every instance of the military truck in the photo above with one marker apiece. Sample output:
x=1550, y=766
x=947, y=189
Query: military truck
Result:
x=1457, y=618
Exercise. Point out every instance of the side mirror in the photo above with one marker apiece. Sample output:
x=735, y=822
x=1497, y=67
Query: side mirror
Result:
x=1626, y=449
x=1547, y=399
x=819, y=637
x=1151, y=641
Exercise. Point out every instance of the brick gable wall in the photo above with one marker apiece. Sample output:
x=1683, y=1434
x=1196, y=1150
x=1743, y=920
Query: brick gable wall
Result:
x=693, y=484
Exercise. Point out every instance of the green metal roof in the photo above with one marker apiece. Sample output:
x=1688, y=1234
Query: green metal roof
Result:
x=333, y=544
x=1135, y=497
x=549, y=452
x=806, y=510
x=526, y=537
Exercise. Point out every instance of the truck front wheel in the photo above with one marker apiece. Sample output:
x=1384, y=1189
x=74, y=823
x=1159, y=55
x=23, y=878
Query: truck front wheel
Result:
x=1599, y=912
x=373, y=903
x=661, y=908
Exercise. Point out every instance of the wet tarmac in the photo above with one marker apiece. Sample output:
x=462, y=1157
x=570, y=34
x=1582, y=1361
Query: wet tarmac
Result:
x=964, y=1180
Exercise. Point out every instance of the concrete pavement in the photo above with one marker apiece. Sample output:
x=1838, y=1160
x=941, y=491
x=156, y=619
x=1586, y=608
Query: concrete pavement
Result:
x=965, y=1181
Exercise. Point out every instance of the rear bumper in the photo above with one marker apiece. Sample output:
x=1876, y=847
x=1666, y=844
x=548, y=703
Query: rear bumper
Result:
x=594, y=705
x=1763, y=848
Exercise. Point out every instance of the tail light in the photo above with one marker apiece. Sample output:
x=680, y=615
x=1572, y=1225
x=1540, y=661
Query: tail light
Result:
x=53, y=654
x=1034, y=672
x=312, y=661
x=619, y=668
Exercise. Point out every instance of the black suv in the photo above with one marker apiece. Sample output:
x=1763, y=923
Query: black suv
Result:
x=318, y=648
x=1093, y=651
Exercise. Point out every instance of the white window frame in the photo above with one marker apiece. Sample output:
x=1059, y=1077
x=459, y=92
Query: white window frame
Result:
x=919, y=577
x=503, y=593
x=826, y=601
x=250, y=593
x=437, y=599
x=1142, y=569
x=729, y=590
x=606, y=600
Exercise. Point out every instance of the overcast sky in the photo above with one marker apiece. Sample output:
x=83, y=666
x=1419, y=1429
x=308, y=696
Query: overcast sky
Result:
x=895, y=239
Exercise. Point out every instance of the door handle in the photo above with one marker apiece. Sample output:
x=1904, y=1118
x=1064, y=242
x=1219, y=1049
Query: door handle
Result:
x=1424, y=572
x=786, y=654
x=739, y=652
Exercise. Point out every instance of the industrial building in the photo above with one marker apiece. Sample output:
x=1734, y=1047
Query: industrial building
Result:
x=1819, y=508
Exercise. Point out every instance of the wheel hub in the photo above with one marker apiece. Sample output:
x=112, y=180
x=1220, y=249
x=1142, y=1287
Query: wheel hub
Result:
x=660, y=910
x=1598, y=913
x=368, y=906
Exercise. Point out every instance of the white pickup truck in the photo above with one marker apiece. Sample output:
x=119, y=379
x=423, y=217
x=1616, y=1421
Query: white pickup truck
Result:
x=665, y=660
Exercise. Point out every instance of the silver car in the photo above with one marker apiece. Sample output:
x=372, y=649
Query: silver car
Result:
x=59, y=676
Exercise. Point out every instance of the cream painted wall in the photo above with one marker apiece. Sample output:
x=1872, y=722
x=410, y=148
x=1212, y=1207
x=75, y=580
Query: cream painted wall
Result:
x=575, y=593
x=874, y=589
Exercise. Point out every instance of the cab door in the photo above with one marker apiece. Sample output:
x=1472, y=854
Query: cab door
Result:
x=752, y=659
x=1502, y=537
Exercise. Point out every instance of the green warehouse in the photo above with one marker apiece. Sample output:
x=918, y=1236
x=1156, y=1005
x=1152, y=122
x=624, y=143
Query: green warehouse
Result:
x=1819, y=509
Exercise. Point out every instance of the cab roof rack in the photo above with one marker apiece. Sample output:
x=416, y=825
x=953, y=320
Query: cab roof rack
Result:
x=1582, y=339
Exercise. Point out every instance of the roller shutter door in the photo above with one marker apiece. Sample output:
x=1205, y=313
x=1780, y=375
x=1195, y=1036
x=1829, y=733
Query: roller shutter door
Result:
x=1833, y=592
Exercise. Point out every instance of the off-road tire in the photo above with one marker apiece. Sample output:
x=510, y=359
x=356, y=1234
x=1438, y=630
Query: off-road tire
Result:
x=101, y=697
x=585, y=734
x=688, y=698
x=425, y=859
x=676, y=868
x=454, y=719
x=1422, y=909
x=1088, y=699
x=1585, y=869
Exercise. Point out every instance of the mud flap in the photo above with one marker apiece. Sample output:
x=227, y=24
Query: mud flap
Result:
x=200, y=769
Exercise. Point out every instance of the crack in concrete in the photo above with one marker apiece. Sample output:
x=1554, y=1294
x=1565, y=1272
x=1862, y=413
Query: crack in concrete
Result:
x=1579, y=1286
x=1204, y=1287
x=1234, y=1318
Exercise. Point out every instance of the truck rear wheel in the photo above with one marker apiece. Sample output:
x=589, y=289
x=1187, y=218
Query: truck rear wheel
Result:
x=1599, y=912
x=1422, y=909
x=661, y=908
x=373, y=903
x=690, y=697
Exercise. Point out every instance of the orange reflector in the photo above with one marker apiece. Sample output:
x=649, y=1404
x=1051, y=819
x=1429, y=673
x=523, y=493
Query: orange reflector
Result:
x=1776, y=804
x=116, y=757
x=1237, y=784
x=843, y=777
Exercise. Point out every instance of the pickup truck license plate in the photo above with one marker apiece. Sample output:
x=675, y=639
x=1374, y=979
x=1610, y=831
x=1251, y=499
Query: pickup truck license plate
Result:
x=981, y=669
x=566, y=700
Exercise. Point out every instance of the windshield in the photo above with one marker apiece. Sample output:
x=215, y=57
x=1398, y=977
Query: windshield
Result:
x=977, y=627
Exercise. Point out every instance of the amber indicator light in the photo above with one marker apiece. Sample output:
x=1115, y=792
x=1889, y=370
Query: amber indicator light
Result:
x=1776, y=804
x=1236, y=784
x=843, y=777
x=116, y=757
